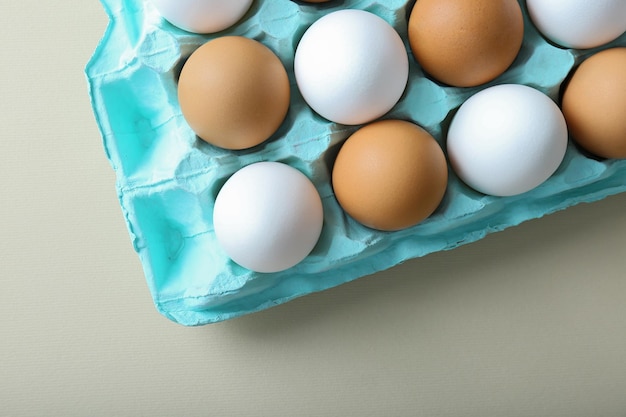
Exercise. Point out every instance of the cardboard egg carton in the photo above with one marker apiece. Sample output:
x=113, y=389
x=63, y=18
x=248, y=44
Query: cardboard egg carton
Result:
x=168, y=179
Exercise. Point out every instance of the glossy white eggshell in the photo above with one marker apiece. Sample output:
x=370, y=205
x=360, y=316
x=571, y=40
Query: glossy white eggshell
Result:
x=507, y=140
x=351, y=67
x=268, y=217
x=579, y=24
x=202, y=16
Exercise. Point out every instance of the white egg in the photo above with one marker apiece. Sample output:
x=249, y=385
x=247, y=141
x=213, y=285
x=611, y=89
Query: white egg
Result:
x=507, y=139
x=579, y=24
x=351, y=67
x=268, y=217
x=202, y=16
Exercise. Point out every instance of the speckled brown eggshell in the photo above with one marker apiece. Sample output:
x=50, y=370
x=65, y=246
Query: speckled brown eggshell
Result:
x=594, y=104
x=234, y=92
x=390, y=175
x=466, y=43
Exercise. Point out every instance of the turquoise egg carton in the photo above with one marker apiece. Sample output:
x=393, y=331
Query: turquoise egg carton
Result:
x=168, y=179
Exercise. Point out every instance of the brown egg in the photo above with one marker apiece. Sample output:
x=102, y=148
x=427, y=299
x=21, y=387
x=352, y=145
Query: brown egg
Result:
x=594, y=104
x=234, y=92
x=390, y=175
x=466, y=43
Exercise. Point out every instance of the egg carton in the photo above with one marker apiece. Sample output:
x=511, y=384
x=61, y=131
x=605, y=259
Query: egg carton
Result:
x=168, y=179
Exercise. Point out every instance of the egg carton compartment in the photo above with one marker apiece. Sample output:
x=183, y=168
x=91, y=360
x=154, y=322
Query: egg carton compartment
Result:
x=168, y=179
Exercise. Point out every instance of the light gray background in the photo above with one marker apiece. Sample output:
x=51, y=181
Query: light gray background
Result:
x=527, y=322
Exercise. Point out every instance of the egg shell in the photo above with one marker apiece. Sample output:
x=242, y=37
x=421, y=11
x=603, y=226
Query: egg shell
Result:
x=390, y=175
x=202, y=16
x=234, y=92
x=594, y=104
x=507, y=140
x=268, y=217
x=351, y=66
x=579, y=24
x=466, y=43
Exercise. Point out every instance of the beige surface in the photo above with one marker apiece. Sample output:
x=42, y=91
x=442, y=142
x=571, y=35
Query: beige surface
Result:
x=528, y=322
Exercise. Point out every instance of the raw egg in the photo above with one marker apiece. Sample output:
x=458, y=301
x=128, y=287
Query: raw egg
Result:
x=506, y=140
x=268, y=217
x=466, y=43
x=202, y=16
x=234, y=92
x=579, y=24
x=390, y=175
x=351, y=67
x=594, y=104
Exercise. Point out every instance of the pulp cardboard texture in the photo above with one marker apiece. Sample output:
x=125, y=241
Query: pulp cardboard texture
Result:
x=168, y=179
